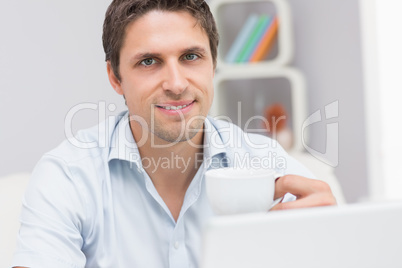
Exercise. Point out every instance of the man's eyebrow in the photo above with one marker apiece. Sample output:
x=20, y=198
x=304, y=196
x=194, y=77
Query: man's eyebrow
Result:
x=200, y=50
x=141, y=56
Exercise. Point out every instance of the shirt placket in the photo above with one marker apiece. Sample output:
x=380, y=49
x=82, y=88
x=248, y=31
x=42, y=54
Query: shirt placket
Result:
x=177, y=249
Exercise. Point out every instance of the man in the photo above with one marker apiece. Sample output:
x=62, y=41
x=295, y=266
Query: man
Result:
x=140, y=201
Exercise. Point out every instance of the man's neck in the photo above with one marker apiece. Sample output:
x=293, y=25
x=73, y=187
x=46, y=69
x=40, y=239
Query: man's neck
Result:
x=172, y=167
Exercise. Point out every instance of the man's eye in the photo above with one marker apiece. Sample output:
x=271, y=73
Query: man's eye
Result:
x=148, y=62
x=190, y=57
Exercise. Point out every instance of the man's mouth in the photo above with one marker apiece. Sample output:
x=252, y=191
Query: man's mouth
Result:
x=174, y=107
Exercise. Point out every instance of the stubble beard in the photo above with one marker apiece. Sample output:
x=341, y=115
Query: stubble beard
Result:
x=183, y=131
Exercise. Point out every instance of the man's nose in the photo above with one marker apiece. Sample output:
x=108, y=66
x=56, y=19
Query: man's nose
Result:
x=174, y=78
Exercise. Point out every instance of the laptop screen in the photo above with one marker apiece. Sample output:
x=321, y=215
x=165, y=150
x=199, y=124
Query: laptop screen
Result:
x=359, y=236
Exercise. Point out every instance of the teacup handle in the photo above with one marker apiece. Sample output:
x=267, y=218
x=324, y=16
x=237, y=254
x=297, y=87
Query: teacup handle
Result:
x=278, y=200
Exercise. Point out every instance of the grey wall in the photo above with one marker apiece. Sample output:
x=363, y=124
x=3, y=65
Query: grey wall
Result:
x=51, y=59
x=328, y=52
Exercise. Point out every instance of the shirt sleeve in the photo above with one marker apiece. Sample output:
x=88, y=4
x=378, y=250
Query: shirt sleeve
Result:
x=52, y=218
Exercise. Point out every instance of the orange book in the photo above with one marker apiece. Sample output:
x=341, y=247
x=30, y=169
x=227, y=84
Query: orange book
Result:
x=266, y=43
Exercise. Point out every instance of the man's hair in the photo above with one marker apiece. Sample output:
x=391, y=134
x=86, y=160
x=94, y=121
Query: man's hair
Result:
x=123, y=12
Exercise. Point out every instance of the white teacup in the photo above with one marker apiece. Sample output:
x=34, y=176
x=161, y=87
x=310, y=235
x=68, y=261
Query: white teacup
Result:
x=237, y=190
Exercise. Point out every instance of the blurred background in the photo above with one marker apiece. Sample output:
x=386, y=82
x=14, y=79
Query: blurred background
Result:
x=51, y=60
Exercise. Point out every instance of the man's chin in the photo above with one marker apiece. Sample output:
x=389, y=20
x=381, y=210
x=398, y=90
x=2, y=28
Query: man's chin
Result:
x=169, y=137
x=175, y=132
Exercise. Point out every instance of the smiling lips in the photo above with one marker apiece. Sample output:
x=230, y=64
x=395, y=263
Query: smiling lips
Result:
x=183, y=106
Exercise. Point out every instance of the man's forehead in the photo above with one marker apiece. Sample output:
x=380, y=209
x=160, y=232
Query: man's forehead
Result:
x=179, y=13
x=157, y=29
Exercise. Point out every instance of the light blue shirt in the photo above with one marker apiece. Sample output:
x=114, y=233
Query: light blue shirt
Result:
x=90, y=203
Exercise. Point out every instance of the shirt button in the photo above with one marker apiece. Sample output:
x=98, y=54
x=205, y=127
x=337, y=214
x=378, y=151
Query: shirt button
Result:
x=176, y=245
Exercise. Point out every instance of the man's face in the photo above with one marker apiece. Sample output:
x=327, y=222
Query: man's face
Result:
x=166, y=71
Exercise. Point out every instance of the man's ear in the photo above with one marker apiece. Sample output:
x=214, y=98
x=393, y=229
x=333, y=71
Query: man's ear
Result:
x=114, y=81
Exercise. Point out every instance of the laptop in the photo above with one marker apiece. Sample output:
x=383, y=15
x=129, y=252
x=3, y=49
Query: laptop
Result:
x=359, y=236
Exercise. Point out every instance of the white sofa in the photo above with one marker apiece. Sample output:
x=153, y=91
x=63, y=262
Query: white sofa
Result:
x=12, y=188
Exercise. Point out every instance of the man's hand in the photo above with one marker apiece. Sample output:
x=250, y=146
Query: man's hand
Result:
x=309, y=192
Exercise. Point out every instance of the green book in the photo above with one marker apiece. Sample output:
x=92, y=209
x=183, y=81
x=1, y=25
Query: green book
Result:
x=249, y=46
x=241, y=38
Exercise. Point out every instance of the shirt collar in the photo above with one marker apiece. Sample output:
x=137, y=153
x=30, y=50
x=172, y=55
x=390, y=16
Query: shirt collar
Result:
x=122, y=144
x=213, y=144
x=124, y=147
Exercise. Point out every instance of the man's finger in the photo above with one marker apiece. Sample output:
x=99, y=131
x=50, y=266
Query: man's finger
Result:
x=313, y=200
x=299, y=186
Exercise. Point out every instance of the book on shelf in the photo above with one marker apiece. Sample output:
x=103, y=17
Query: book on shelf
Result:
x=241, y=38
x=255, y=39
x=259, y=38
x=267, y=41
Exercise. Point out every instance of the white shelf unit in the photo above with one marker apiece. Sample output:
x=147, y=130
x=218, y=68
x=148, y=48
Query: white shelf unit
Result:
x=297, y=90
x=222, y=10
x=270, y=68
